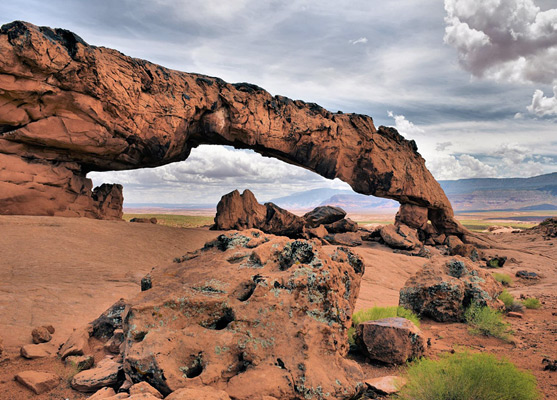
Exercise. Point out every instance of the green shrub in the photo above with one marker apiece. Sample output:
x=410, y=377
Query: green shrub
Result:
x=375, y=313
x=466, y=376
x=486, y=321
x=506, y=298
x=532, y=302
x=505, y=279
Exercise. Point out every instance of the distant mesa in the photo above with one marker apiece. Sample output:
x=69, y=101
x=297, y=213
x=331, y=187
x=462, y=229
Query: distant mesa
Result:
x=68, y=108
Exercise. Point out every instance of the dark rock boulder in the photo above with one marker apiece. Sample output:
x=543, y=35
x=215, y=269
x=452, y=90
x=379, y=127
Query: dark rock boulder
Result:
x=442, y=290
x=390, y=340
x=342, y=226
x=324, y=215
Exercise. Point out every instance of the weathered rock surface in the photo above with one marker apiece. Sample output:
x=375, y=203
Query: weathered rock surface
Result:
x=145, y=388
x=249, y=314
x=107, y=373
x=345, y=239
x=324, y=215
x=342, y=226
x=390, y=340
x=34, y=351
x=80, y=363
x=38, y=382
x=104, y=393
x=400, y=237
x=77, y=344
x=68, y=108
x=200, y=393
x=442, y=290
x=139, y=220
x=42, y=334
x=386, y=385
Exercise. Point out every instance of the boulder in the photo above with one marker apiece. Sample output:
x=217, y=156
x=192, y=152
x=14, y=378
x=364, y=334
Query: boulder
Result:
x=465, y=250
x=345, y=239
x=99, y=110
x=42, y=334
x=80, y=363
x=102, y=394
x=412, y=215
x=386, y=385
x=111, y=320
x=141, y=220
x=38, y=382
x=199, y=393
x=249, y=314
x=34, y=351
x=400, y=237
x=442, y=290
x=320, y=232
x=77, y=344
x=239, y=211
x=145, y=388
x=235, y=211
x=523, y=274
x=342, y=226
x=107, y=373
x=390, y=340
x=114, y=343
x=324, y=215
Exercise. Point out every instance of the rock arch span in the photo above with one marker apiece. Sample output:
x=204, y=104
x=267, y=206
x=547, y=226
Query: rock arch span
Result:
x=68, y=108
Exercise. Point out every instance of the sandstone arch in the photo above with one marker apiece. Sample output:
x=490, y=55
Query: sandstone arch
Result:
x=68, y=108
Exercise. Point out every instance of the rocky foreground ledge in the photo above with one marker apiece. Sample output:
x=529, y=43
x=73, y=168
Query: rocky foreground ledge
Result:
x=250, y=315
x=68, y=108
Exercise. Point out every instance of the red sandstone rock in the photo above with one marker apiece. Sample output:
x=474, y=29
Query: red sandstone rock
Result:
x=145, y=388
x=390, y=340
x=249, y=314
x=342, y=226
x=101, y=394
x=400, y=237
x=67, y=109
x=106, y=373
x=33, y=351
x=235, y=211
x=38, y=382
x=41, y=334
x=386, y=385
x=80, y=363
x=324, y=215
x=199, y=393
x=412, y=215
x=77, y=344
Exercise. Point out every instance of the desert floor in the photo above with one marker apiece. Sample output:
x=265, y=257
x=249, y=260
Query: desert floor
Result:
x=67, y=271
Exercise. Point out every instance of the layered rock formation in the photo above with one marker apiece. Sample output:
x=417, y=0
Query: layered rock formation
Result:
x=250, y=314
x=68, y=108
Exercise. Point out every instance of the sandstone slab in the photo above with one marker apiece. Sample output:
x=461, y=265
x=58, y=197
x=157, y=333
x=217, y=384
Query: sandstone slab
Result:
x=390, y=340
x=145, y=388
x=199, y=393
x=34, y=351
x=386, y=385
x=38, y=382
x=106, y=373
x=400, y=237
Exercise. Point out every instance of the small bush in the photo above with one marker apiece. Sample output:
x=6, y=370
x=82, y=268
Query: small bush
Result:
x=506, y=298
x=532, y=303
x=375, y=313
x=516, y=306
x=486, y=321
x=505, y=279
x=466, y=376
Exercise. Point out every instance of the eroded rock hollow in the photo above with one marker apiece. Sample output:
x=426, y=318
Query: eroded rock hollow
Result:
x=68, y=108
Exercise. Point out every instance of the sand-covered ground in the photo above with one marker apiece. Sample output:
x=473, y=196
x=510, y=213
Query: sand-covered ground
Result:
x=67, y=271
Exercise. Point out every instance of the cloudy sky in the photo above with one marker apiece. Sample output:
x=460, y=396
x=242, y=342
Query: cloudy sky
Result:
x=473, y=82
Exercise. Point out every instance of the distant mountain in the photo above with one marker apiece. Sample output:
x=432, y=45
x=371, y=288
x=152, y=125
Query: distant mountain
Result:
x=508, y=194
x=345, y=199
x=308, y=198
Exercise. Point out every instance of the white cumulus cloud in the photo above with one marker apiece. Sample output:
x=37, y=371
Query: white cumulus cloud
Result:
x=543, y=106
x=460, y=167
x=405, y=127
x=511, y=40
